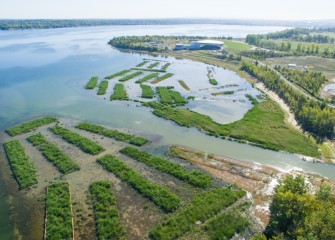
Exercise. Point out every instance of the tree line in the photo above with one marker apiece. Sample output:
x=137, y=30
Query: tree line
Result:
x=313, y=116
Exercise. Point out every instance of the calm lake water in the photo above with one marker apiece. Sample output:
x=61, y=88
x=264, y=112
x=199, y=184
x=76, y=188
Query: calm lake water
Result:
x=43, y=72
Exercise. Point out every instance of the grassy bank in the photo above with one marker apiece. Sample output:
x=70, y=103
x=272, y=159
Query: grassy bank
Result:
x=147, y=77
x=162, y=78
x=142, y=64
x=117, y=135
x=119, y=92
x=130, y=76
x=165, y=66
x=23, y=169
x=202, y=208
x=83, y=143
x=158, y=194
x=170, y=97
x=263, y=125
x=58, y=212
x=54, y=154
x=193, y=177
x=30, y=126
x=153, y=65
x=118, y=74
x=184, y=85
x=105, y=212
x=213, y=81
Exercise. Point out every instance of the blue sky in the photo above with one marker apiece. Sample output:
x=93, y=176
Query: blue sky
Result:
x=246, y=9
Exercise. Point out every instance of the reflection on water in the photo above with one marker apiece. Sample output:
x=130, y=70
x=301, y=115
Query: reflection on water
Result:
x=44, y=71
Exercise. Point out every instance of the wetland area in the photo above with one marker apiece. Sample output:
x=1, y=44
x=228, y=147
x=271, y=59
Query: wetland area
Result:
x=44, y=72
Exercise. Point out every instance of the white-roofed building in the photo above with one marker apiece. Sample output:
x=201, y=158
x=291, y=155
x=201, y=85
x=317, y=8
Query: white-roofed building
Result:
x=201, y=45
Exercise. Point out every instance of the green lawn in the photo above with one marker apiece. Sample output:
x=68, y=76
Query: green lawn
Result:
x=263, y=125
x=235, y=47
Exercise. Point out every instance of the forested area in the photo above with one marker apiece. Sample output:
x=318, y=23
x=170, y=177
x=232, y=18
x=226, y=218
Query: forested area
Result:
x=313, y=116
x=310, y=81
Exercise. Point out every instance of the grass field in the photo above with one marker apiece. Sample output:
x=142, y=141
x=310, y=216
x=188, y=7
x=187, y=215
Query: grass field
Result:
x=263, y=125
x=235, y=47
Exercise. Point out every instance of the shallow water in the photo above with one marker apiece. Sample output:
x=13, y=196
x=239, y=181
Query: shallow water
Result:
x=43, y=72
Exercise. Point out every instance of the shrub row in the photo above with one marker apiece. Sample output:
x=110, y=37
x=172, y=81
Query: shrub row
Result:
x=118, y=74
x=229, y=92
x=120, y=136
x=147, y=77
x=202, y=207
x=194, y=177
x=83, y=143
x=58, y=212
x=153, y=65
x=54, y=154
x=30, y=126
x=161, y=78
x=158, y=194
x=147, y=91
x=103, y=87
x=119, y=93
x=105, y=212
x=149, y=70
x=23, y=169
x=142, y=64
x=184, y=85
x=92, y=83
x=130, y=76
x=213, y=81
x=165, y=66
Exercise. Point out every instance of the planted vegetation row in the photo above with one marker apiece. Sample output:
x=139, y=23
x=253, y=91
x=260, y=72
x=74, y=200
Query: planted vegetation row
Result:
x=153, y=65
x=158, y=194
x=170, y=97
x=54, y=154
x=118, y=74
x=106, y=214
x=92, y=83
x=165, y=66
x=119, y=92
x=147, y=77
x=310, y=81
x=147, y=91
x=130, y=76
x=142, y=64
x=149, y=70
x=30, y=126
x=203, y=207
x=103, y=87
x=316, y=117
x=184, y=85
x=213, y=81
x=58, y=212
x=193, y=177
x=230, y=92
x=120, y=136
x=162, y=78
x=226, y=225
x=83, y=143
x=23, y=169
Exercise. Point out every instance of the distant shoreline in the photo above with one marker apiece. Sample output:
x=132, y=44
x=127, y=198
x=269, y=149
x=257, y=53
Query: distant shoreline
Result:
x=23, y=24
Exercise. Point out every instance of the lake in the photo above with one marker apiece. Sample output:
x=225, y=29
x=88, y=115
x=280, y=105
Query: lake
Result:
x=42, y=72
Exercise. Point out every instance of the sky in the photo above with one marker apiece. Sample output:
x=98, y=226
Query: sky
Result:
x=225, y=9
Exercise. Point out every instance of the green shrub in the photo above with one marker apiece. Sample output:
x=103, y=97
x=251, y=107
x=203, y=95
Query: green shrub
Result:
x=30, y=126
x=120, y=136
x=147, y=77
x=130, y=76
x=54, y=154
x=92, y=83
x=23, y=169
x=194, y=177
x=142, y=64
x=213, y=81
x=58, y=212
x=106, y=213
x=119, y=93
x=118, y=74
x=161, y=78
x=184, y=85
x=103, y=87
x=170, y=97
x=166, y=66
x=83, y=143
x=153, y=65
x=147, y=91
x=158, y=194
